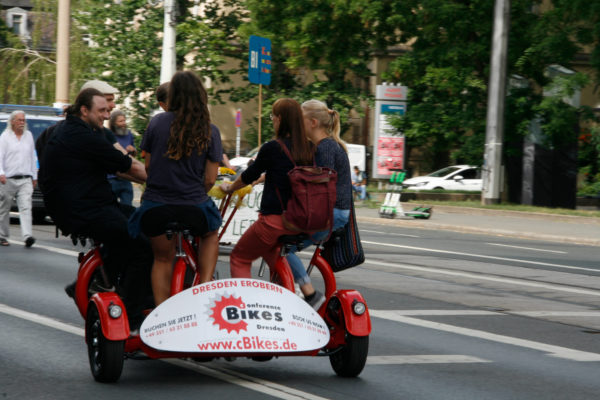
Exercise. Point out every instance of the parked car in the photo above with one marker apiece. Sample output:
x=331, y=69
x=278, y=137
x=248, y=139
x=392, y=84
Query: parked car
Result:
x=241, y=163
x=456, y=177
x=38, y=118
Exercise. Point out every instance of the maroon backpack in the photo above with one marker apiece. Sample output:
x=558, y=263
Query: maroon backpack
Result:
x=310, y=206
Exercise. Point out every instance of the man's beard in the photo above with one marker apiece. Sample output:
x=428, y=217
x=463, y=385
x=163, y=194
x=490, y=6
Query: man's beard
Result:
x=121, y=131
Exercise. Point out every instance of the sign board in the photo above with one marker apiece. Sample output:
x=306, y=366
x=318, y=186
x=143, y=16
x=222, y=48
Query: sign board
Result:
x=245, y=215
x=357, y=155
x=235, y=316
x=238, y=118
x=259, y=60
x=388, y=144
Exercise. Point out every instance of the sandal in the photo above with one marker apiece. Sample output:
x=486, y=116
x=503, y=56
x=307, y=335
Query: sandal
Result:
x=4, y=242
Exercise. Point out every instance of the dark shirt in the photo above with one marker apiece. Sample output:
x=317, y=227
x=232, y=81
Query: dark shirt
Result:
x=272, y=160
x=74, y=166
x=331, y=155
x=170, y=181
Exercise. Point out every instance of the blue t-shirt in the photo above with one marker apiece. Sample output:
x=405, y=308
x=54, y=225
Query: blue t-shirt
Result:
x=170, y=181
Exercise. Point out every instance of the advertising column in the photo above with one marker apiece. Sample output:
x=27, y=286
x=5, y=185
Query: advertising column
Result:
x=388, y=143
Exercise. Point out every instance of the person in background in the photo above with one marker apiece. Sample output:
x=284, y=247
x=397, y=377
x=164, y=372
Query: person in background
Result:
x=161, y=95
x=18, y=176
x=261, y=239
x=323, y=129
x=183, y=151
x=359, y=184
x=122, y=188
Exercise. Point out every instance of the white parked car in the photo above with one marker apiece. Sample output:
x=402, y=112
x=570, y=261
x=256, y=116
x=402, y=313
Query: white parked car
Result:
x=456, y=177
x=241, y=163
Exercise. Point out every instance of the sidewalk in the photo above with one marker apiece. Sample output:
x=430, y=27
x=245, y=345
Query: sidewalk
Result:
x=548, y=227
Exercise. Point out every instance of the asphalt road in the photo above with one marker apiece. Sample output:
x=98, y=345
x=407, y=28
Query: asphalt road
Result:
x=455, y=316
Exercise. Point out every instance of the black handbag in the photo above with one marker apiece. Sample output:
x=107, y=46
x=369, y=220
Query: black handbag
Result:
x=343, y=249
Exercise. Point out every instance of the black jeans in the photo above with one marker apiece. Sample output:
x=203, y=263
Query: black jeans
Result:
x=127, y=261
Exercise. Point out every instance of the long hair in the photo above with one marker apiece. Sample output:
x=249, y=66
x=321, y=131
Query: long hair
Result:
x=328, y=119
x=84, y=98
x=291, y=126
x=190, y=129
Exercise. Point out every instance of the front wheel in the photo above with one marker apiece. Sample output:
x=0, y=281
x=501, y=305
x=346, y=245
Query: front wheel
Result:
x=351, y=359
x=105, y=356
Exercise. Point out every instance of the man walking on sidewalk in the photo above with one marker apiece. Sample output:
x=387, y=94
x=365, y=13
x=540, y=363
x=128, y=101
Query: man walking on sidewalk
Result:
x=18, y=176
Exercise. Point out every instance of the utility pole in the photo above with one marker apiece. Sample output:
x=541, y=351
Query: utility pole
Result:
x=62, y=53
x=167, y=65
x=492, y=162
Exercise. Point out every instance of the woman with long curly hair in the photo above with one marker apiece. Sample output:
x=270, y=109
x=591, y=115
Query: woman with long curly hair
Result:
x=261, y=239
x=183, y=151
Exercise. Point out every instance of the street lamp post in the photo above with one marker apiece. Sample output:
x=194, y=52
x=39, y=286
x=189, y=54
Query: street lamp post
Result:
x=492, y=162
x=167, y=66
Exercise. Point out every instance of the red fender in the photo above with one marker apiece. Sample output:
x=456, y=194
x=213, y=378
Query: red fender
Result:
x=89, y=263
x=112, y=328
x=356, y=325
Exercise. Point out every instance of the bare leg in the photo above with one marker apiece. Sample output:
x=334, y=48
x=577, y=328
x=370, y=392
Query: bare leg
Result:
x=162, y=269
x=208, y=253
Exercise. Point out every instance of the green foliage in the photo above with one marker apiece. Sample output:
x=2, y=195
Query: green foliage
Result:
x=448, y=69
x=127, y=47
x=320, y=49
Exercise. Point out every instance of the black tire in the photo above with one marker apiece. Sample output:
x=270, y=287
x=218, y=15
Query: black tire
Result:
x=106, y=356
x=350, y=360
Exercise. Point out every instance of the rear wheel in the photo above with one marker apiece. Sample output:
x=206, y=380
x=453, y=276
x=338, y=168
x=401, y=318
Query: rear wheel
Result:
x=351, y=359
x=105, y=356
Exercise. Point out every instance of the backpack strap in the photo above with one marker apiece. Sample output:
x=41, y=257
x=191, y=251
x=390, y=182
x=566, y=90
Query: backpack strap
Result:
x=286, y=151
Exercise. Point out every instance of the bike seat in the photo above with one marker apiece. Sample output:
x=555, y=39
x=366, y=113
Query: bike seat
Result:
x=293, y=239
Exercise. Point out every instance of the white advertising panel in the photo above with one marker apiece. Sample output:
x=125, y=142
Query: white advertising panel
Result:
x=235, y=316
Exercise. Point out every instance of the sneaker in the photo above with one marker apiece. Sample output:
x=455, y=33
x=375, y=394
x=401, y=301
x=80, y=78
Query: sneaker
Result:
x=4, y=242
x=316, y=300
x=29, y=241
x=97, y=287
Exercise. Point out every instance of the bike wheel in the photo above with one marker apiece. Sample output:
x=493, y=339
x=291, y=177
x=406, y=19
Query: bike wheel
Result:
x=105, y=356
x=351, y=359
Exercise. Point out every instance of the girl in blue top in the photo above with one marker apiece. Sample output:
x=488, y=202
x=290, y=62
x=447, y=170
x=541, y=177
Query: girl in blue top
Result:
x=183, y=151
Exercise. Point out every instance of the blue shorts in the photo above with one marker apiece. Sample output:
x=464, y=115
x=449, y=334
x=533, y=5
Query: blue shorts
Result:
x=152, y=218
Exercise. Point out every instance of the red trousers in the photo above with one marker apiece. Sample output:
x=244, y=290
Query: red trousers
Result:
x=260, y=240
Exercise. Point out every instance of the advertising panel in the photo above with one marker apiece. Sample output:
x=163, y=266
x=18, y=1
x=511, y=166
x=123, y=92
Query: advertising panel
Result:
x=388, y=144
x=245, y=215
x=235, y=316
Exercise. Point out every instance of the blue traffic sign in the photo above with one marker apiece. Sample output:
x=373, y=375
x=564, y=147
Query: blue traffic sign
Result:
x=259, y=61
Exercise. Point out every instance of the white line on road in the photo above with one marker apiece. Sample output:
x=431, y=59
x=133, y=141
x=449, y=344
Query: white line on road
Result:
x=480, y=256
x=390, y=233
x=554, y=351
x=445, y=312
x=527, y=248
x=476, y=276
x=50, y=248
x=249, y=382
x=424, y=359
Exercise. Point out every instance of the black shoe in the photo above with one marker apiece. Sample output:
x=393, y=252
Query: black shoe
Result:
x=70, y=289
x=29, y=241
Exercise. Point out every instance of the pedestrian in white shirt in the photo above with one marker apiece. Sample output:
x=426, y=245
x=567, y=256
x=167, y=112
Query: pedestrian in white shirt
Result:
x=18, y=176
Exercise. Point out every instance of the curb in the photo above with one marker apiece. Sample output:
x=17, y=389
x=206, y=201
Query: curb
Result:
x=428, y=225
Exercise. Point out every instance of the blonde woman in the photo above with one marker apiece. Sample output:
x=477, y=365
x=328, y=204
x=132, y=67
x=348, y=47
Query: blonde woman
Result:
x=322, y=127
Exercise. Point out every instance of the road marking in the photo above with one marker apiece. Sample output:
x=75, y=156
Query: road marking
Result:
x=557, y=313
x=249, y=382
x=424, y=359
x=42, y=320
x=554, y=351
x=49, y=248
x=481, y=256
x=527, y=248
x=390, y=233
x=445, y=312
x=476, y=276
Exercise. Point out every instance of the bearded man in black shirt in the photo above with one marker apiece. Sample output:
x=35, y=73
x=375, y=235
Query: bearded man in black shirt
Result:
x=79, y=198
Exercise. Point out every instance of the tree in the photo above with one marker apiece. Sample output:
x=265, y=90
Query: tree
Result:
x=447, y=71
x=126, y=46
x=320, y=49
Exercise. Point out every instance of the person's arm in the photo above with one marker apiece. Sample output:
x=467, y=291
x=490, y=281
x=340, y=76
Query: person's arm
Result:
x=232, y=187
x=226, y=162
x=211, y=170
x=137, y=172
